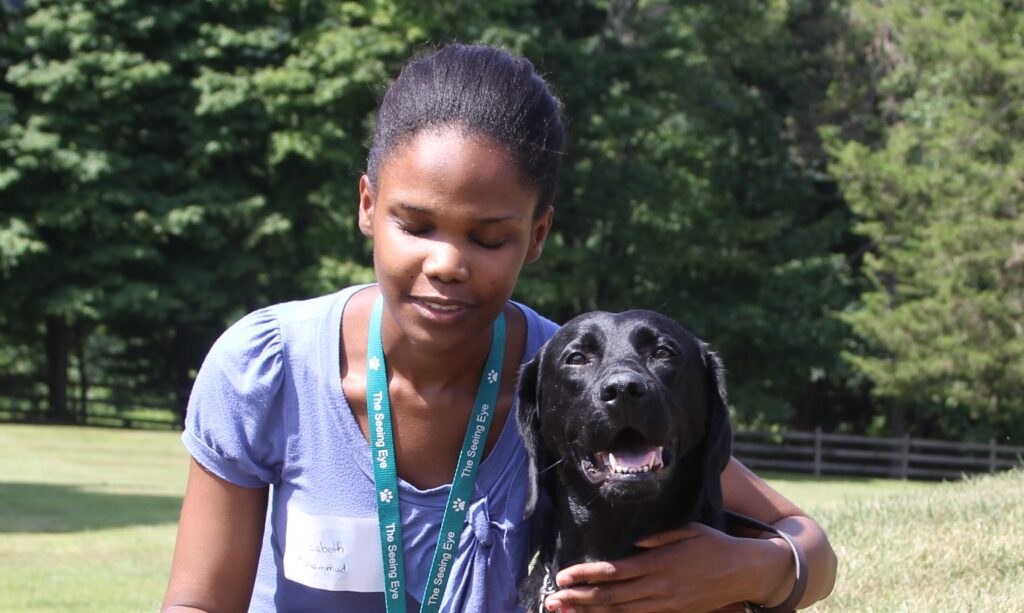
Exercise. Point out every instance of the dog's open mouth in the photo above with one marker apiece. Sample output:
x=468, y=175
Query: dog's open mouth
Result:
x=630, y=462
x=628, y=456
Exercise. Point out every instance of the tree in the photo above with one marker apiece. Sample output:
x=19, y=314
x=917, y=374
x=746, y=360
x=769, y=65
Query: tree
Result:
x=173, y=165
x=684, y=193
x=114, y=220
x=934, y=175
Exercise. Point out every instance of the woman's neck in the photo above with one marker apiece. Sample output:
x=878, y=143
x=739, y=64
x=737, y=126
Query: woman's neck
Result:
x=429, y=368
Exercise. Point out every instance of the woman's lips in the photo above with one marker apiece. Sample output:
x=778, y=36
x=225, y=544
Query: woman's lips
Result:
x=441, y=307
x=437, y=306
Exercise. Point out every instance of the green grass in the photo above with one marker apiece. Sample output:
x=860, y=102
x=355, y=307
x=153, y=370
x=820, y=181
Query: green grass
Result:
x=954, y=547
x=817, y=495
x=88, y=518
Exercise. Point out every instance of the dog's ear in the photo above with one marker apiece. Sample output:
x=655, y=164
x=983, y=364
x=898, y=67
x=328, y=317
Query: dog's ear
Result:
x=718, y=439
x=528, y=421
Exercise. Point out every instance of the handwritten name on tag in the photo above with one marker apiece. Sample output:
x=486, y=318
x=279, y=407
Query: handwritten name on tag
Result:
x=333, y=553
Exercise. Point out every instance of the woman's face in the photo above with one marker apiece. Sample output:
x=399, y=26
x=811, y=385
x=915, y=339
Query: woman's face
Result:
x=452, y=222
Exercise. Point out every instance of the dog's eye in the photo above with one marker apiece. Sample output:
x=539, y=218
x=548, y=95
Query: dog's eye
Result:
x=576, y=359
x=662, y=352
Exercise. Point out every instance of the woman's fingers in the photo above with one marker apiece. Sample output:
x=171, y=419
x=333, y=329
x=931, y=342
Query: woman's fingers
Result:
x=620, y=597
x=639, y=565
x=592, y=573
x=688, y=531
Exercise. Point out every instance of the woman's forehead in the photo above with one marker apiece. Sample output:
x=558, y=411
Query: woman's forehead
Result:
x=448, y=165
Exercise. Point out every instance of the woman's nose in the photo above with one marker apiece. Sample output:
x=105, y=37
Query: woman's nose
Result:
x=445, y=262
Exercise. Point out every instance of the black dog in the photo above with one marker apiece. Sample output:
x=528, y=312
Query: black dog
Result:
x=625, y=421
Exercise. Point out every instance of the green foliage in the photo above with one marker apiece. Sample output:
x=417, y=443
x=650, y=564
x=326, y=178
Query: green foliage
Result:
x=683, y=191
x=165, y=168
x=938, y=191
x=169, y=167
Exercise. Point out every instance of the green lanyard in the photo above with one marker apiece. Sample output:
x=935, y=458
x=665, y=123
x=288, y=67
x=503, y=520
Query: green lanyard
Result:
x=382, y=452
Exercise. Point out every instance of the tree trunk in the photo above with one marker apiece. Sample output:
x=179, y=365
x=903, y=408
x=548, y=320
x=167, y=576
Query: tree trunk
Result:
x=57, y=366
x=897, y=421
x=83, y=373
x=182, y=362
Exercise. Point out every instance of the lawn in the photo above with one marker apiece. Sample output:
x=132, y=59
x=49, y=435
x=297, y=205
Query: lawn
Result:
x=955, y=547
x=87, y=522
x=87, y=517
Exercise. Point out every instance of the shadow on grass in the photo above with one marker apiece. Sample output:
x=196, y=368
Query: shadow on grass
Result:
x=57, y=508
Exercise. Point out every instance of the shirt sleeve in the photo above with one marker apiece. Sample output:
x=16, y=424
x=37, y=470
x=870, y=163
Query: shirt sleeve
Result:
x=234, y=426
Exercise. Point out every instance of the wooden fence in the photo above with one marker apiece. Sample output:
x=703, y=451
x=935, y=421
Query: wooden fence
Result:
x=105, y=421
x=819, y=454
x=106, y=406
x=815, y=453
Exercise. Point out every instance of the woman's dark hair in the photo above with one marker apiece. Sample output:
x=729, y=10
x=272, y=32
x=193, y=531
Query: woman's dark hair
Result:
x=481, y=90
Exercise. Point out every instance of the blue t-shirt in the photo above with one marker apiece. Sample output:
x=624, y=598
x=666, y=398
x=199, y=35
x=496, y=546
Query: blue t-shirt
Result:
x=268, y=408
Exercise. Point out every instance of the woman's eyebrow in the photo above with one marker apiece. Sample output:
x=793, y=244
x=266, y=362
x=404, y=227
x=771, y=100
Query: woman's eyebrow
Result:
x=421, y=210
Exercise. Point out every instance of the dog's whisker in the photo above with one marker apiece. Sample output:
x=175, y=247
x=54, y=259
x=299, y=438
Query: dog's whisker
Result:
x=550, y=466
x=594, y=499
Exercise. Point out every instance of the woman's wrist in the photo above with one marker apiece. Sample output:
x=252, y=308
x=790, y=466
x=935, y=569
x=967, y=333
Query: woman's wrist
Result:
x=776, y=571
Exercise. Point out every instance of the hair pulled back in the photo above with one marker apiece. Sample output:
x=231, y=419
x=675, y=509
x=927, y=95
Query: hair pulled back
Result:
x=481, y=90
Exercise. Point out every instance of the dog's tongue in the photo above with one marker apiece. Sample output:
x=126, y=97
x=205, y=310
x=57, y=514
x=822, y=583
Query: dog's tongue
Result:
x=632, y=459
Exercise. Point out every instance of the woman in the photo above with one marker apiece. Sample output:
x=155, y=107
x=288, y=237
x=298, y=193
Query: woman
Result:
x=302, y=411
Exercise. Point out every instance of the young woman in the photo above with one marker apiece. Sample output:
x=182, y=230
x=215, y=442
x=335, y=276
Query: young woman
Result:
x=325, y=433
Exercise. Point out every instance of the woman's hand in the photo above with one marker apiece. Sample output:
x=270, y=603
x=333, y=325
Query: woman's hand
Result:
x=695, y=568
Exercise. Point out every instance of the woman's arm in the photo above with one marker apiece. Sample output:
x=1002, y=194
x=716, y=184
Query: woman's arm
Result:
x=218, y=546
x=697, y=568
x=746, y=493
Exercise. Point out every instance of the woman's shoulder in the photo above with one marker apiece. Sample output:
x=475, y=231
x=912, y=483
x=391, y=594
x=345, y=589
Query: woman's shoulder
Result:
x=236, y=417
x=538, y=329
x=299, y=327
x=254, y=341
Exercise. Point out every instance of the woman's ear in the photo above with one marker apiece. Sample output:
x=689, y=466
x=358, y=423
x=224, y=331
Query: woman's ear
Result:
x=366, y=206
x=539, y=234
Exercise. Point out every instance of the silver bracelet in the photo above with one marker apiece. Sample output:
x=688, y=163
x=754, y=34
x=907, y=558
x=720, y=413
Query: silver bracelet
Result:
x=799, y=586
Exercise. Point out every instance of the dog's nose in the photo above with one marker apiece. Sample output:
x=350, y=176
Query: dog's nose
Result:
x=622, y=386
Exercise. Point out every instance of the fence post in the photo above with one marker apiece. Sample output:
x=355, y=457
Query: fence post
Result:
x=817, y=452
x=905, y=464
x=991, y=456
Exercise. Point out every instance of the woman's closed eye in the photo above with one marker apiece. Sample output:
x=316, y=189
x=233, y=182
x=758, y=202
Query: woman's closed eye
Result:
x=487, y=237
x=488, y=243
x=414, y=229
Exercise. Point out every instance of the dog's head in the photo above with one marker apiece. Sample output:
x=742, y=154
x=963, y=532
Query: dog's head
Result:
x=622, y=407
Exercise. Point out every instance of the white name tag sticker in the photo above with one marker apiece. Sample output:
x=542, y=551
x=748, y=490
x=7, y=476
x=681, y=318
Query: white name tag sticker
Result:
x=340, y=554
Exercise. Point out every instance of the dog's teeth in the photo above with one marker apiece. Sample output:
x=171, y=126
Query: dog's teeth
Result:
x=629, y=462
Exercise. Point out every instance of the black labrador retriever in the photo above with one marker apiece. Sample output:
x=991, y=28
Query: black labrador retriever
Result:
x=625, y=422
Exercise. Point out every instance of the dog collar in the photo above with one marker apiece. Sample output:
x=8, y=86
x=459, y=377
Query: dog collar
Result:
x=547, y=588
